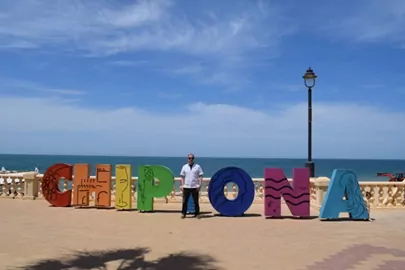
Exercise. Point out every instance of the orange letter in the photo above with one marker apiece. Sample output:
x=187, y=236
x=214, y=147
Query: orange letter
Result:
x=50, y=185
x=83, y=185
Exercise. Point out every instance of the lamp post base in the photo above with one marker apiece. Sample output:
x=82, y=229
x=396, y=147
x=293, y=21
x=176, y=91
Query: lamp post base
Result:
x=311, y=166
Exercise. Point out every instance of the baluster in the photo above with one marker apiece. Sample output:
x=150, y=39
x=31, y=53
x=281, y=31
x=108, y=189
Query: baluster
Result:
x=173, y=196
x=399, y=196
x=370, y=194
x=2, y=186
x=202, y=193
x=173, y=192
x=312, y=191
x=13, y=188
x=6, y=186
x=256, y=185
x=261, y=191
x=205, y=194
x=365, y=192
x=19, y=185
x=380, y=193
x=390, y=196
x=23, y=191
x=40, y=195
x=133, y=189
x=92, y=195
x=235, y=191
x=113, y=189
x=14, y=185
x=65, y=185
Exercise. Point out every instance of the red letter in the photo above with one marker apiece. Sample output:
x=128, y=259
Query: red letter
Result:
x=296, y=197
x=50, y=185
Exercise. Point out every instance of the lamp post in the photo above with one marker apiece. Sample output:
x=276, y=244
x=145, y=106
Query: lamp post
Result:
x=309, y=80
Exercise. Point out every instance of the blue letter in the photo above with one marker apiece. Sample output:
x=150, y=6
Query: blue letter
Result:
x=246, y=193
x=344, y=184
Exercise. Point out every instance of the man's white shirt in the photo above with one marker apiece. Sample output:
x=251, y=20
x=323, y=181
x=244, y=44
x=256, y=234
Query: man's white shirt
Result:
x=191, y=175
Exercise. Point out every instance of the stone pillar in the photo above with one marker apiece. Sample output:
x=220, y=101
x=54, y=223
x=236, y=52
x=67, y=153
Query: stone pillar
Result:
x=321, y=187
x=30, y=186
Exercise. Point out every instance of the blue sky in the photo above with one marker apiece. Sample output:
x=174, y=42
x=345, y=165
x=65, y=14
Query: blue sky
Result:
x=216, y=78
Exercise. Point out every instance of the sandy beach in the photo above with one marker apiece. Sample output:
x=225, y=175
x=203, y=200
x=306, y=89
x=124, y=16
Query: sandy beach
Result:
x=36, y=236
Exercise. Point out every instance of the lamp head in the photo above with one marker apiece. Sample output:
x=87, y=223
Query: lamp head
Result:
x=309, y=78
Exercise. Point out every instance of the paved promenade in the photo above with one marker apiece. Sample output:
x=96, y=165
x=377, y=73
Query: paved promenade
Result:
x=36, y=236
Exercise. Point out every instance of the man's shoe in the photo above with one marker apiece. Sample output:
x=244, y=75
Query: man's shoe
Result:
x=197, y=216
x=183, y=216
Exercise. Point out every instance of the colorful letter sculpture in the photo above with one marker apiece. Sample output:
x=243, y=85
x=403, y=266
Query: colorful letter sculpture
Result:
x=147, y=189
x=295, y=196
x=242, y=202
x=123, y=187
x=50, y=185
x=344, y=184
x=344, y=194
x=101, y=186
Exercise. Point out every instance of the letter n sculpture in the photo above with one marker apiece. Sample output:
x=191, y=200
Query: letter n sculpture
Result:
x=295, y=196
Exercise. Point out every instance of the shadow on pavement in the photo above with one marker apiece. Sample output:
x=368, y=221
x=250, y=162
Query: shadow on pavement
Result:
x=246, y=215
x=126, y=259
x=294, y=217
x=346, y=219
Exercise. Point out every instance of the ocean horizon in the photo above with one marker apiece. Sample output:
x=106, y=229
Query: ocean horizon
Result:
x=366, y=169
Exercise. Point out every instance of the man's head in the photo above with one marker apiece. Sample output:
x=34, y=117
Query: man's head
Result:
x=190, y=158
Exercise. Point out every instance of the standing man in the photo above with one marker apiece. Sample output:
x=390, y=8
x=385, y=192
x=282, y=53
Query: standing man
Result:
x=191, y=178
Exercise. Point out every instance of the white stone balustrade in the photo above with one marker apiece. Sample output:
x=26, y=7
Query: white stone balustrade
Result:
x=377, y=194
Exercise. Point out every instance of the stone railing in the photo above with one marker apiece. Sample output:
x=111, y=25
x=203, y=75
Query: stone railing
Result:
x=28, y=186
x=377, y=194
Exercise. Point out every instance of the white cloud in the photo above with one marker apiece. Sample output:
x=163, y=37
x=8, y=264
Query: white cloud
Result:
x=102, y=28
x=99, y=28
x=137, y=14
x=53, y=22
x=209, y=75
x=30, y=86
x=370, y=21
x=34, y=125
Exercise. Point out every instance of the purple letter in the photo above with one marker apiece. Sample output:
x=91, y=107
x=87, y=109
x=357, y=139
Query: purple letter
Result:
x=296, y=197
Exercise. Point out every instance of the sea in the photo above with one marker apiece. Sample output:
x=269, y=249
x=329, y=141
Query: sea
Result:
x=366, y=170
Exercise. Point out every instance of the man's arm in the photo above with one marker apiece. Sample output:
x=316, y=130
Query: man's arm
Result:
x=200, y=176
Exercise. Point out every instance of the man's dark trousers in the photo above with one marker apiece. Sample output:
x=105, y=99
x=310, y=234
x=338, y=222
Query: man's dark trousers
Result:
x=186, y=195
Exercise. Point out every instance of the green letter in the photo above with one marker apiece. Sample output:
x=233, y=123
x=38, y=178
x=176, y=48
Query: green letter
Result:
x=148, y=188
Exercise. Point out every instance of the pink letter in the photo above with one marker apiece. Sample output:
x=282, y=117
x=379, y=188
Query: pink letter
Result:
x=296, y=197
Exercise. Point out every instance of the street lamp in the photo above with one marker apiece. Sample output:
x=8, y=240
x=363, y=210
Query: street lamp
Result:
x=309, y=80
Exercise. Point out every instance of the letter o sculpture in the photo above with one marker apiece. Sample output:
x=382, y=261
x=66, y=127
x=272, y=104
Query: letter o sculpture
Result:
x=242, y=202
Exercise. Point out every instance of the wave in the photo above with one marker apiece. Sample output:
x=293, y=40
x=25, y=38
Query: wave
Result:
x=280, y=188
x=276, y=181
x=287, y=194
